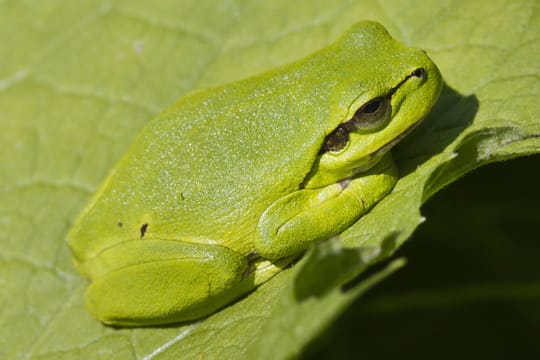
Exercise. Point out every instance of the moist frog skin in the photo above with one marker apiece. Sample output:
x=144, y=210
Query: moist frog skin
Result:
x=227, y=186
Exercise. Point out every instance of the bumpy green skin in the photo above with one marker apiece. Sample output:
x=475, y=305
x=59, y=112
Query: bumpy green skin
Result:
x=224, y=188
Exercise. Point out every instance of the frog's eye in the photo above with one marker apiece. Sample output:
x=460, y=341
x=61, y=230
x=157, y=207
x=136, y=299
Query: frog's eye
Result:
x=372, y=115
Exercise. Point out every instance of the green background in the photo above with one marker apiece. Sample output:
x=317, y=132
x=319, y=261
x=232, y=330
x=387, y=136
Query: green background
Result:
x=79, y=79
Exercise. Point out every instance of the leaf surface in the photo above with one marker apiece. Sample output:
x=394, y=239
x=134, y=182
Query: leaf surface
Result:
x=79, y=79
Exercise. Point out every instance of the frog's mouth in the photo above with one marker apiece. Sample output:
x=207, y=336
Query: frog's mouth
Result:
x=377, y=155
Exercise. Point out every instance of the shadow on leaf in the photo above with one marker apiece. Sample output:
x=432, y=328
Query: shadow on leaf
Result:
x=331, y=265
x=449, y=117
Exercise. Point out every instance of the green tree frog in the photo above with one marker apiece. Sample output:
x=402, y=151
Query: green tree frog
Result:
x=226, y=187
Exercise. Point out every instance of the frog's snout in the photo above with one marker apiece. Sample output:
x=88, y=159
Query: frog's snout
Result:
x=419, y=73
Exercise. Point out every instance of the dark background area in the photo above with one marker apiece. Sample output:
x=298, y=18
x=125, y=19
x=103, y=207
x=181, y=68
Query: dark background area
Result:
x=471, y=287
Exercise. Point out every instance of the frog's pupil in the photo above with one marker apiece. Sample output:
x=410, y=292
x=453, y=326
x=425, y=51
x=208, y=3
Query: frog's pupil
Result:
x=371, y=107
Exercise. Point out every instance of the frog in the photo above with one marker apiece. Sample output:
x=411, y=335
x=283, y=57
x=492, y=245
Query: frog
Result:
x=230, y=185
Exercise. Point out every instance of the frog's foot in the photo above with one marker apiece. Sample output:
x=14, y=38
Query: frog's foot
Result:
x=154, y=281
x=292, y=223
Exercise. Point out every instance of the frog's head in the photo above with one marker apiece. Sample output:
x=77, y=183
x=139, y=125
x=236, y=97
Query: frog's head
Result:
x=380, y=97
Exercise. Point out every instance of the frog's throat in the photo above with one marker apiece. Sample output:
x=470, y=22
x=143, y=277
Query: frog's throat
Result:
x=376, y=156
x=389, y=145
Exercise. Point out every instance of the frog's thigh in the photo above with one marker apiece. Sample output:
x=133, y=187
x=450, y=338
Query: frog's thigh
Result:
x=293, y=222
x=147, y=282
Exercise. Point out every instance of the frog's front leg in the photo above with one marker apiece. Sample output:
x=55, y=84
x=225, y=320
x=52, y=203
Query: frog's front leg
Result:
x=155, y=281
x=301, y=218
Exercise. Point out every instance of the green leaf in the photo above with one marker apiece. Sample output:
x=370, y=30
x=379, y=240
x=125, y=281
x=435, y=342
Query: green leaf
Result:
x=79, y=79
x=471, y=286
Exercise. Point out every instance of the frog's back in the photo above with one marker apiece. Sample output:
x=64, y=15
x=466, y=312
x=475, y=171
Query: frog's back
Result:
x=206, y=168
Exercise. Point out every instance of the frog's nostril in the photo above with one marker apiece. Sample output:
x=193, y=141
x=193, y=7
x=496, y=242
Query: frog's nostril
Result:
x=420, y=72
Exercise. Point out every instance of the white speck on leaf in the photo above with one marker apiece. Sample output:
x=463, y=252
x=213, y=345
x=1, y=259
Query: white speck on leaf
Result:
x=138, y=47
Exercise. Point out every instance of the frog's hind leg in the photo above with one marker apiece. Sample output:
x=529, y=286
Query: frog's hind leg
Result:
x=153, y=281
